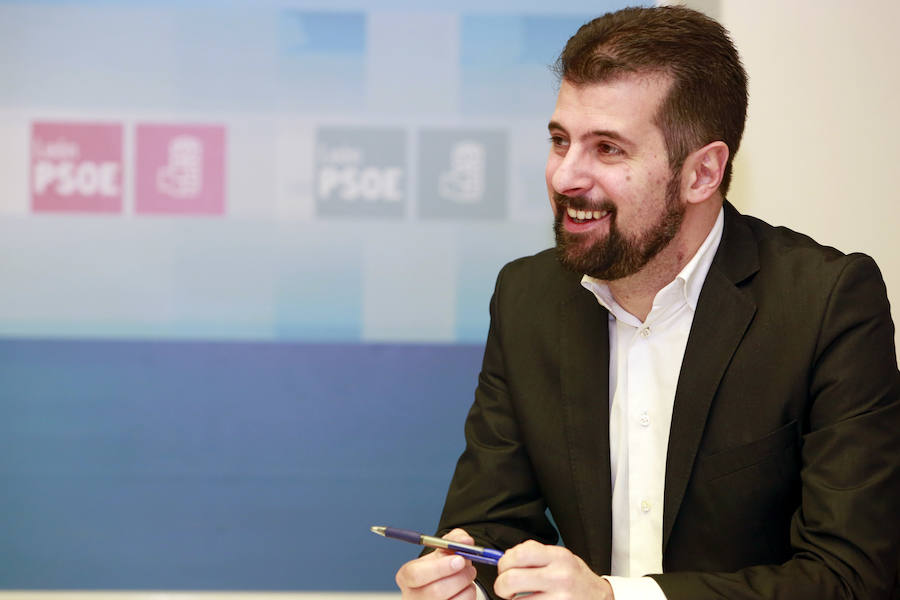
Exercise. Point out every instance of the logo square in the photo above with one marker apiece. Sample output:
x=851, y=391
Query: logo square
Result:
x=76, y=167
x=463, y=174
x=180, y=169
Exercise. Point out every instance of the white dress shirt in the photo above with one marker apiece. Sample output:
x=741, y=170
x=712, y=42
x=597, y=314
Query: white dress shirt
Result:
x=644, y=363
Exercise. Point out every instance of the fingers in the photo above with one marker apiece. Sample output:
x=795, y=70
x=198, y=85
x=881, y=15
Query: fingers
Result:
x=435, y=578
x=534, y=567
x=530, y=554
x=468, y=593
x=520, y=569
x=427, y=569
x=440, y=575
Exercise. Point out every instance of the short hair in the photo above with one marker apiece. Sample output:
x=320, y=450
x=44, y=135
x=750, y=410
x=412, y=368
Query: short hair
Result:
x=707, y=98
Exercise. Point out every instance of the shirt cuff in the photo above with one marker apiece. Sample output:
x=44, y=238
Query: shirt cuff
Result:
x=479, y=592
x=635, y=588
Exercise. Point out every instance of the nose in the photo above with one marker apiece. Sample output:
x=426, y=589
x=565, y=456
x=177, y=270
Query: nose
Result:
x=569, y=174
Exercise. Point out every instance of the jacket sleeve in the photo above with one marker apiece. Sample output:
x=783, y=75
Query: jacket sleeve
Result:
x=494, y=494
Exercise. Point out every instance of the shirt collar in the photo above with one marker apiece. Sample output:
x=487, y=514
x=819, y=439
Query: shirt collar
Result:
x=686, y=285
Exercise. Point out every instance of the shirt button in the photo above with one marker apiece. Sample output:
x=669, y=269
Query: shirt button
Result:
x=645, y=420
x=645, y=506
x=645, y=332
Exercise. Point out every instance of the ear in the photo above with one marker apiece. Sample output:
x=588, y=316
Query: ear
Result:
x=703, y=171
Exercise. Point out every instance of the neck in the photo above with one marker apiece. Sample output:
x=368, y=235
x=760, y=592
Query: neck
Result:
x=636, y=292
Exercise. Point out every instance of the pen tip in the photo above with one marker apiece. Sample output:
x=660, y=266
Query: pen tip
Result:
x=377, y=529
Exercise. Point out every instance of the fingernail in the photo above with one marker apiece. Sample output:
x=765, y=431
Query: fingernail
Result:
x=458, y=562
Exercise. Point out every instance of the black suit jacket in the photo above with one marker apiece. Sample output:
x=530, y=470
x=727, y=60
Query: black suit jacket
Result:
x=783, y=467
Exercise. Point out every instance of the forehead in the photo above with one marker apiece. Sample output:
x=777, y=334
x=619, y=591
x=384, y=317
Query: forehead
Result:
x=627, y=105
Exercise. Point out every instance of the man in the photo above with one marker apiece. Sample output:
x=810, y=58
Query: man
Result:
x=705, y=405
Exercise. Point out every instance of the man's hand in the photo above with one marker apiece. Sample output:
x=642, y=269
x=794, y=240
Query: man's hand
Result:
x=551, y=571
x=440, y=575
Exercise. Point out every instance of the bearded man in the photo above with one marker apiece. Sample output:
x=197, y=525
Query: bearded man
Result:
x=700, y=404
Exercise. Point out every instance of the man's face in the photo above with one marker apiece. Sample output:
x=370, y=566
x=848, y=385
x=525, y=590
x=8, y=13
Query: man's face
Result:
x=615, y=200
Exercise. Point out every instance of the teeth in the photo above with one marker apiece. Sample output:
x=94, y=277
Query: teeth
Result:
x=584, y=215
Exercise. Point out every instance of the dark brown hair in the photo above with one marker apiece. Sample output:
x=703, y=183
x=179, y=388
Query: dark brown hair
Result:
x=707, y=100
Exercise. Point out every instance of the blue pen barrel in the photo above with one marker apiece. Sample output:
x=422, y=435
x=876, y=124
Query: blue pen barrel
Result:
x=413, y=537
x=487, y=556
x=492, y=554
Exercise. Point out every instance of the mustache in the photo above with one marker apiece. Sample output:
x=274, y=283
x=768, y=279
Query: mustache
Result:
x=579, y=203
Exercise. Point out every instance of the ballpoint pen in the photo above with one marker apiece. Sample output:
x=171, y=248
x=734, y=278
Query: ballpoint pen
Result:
x=487, y=556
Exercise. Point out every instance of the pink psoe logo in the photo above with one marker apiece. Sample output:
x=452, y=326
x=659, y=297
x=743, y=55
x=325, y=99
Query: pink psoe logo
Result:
x=180, y=169
x=76, y=167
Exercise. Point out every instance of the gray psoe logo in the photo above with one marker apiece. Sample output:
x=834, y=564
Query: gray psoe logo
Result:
x=360, y=172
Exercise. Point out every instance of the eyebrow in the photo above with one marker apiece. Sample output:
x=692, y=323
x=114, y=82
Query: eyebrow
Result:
x=607, y=133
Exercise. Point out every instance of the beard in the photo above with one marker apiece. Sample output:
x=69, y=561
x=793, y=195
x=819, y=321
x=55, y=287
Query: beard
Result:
x=616, y=255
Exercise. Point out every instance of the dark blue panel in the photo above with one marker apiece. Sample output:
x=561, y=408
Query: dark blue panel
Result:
x=161, y=465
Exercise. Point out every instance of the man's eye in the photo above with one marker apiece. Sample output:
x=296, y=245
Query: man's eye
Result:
x=608, y=149
x=559, y=141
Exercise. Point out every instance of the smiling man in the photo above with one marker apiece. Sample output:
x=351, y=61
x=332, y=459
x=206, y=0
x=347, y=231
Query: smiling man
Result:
x=699, y=404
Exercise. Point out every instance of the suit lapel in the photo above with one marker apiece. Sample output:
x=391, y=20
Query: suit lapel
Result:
x=584, y=372
x=723, y=314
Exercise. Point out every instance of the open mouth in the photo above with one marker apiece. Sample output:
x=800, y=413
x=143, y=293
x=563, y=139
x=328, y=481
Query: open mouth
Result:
x=585, y=216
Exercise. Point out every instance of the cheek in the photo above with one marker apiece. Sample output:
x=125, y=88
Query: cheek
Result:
x=645, y=185
x=620, y=184
x=634, y=193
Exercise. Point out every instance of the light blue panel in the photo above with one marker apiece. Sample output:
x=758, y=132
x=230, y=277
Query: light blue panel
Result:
x=307, y=32
x=176, y=278
x=506, y=57
x=506, y=62
x=224, y=286
x=490, y=42
x=318, y=295
x=190, y=55
x=223, y=58
x=321, y=60
x=93, y=276
x=87, y=55
x=169, y=278
x=324, y=84
x=544, y=37
x=480, y=259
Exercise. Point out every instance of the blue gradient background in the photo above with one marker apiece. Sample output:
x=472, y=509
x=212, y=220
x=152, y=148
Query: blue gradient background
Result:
x=229, y=403
x=197, y=465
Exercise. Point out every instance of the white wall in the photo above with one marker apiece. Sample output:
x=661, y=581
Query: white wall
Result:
x=821, y=152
